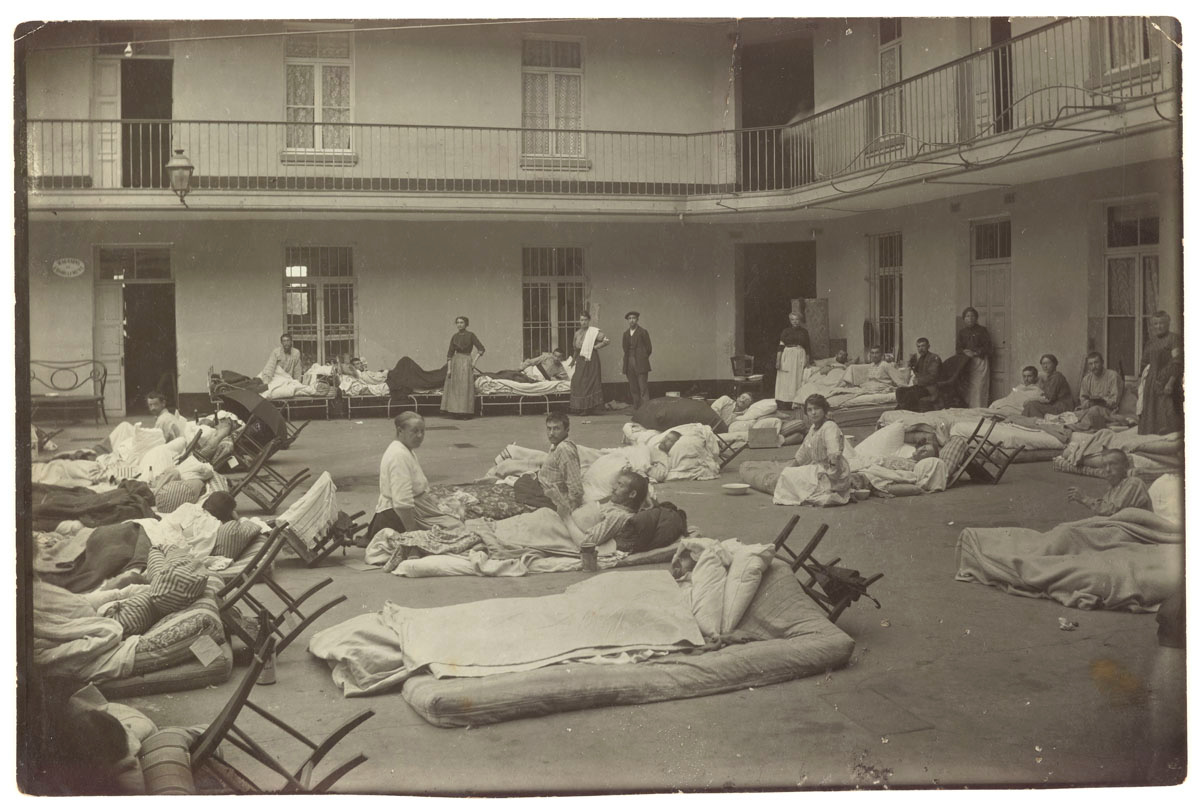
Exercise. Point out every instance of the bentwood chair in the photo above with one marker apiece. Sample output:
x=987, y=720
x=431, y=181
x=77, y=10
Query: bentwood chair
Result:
x=834, y=588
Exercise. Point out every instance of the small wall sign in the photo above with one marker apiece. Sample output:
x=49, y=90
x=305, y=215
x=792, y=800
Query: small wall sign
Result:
x=68, y=267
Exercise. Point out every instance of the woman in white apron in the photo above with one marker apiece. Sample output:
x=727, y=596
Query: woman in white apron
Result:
x=790, y=361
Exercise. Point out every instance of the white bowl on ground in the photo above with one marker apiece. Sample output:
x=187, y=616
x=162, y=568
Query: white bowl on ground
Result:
x=736, y=488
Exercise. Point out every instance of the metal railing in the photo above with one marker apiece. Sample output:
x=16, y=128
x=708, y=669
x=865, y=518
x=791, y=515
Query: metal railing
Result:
x=1038, y=80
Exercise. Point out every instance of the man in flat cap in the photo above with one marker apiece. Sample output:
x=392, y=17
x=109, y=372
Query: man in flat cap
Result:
x=636, y=342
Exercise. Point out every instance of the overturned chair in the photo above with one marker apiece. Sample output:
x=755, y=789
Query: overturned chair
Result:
x=340, y=535
x=729, y=449
x=983, y=460
x=177, y=762
x=834, y=588
x=263, y=484
x=284, y=622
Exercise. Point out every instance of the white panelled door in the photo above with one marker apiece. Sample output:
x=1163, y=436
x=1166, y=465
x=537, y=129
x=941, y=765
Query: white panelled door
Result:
x=106, y=130
x=109, y=343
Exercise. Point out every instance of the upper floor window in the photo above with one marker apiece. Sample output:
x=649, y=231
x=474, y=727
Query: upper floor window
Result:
x=887, y=111
x=552, y=97
x=1129, y=42
x=319, y=90
x=1131, y=277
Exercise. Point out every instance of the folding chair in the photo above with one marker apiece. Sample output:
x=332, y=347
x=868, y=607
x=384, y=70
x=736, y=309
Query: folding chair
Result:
x=744, y=376
x=985, y=461
x=728, y=450
x=340, y=534
x=288, y=622
x=262, y=483
x=226, y=729
x=830, y=586
x=190, y=449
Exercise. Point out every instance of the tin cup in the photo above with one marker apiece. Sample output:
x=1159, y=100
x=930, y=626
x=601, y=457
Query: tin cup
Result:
x=267, y=675
x=587, y=554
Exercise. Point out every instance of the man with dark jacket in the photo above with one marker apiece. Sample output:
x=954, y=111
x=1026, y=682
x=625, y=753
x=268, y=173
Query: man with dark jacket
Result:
x=636, y=365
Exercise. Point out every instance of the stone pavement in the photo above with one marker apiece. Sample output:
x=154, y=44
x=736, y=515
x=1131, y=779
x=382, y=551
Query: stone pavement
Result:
x=950, y=684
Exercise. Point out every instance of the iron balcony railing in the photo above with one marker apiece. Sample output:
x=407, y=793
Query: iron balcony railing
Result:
x=1038, y=80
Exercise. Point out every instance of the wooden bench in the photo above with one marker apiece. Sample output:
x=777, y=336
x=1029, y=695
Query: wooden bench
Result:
x=65, y=385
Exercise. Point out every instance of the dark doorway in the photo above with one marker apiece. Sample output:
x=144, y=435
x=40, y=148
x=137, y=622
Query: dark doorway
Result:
x=146, y=96
x=1002, y=78
x=777, y=85
x=773, y=275
x=149, y=343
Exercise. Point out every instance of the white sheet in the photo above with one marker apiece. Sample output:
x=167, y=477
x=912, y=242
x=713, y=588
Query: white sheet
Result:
x=487, y=385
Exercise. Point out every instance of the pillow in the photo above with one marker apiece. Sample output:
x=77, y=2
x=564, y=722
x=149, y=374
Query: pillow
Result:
x=758, y=409
x=170, y=496
x=1166, y=497
x=885, y=442
x=233, y=537
x=954, y=453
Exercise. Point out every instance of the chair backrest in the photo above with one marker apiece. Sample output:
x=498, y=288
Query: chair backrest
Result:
x=67, y=376
x=742, y=364
x=207, y=742
x=233, y=591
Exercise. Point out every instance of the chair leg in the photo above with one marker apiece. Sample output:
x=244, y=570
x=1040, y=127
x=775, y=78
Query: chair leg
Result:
x=330, y=780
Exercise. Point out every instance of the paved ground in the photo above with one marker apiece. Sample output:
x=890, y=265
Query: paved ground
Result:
x=950, y=683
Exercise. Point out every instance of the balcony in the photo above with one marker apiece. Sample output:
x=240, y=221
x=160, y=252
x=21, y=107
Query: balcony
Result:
x=1062, y=78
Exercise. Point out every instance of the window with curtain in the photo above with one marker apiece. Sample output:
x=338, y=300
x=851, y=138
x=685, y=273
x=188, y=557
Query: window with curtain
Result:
x=319, y=301
x=887, y=291
x=553, y=296
x=319, y=90
x=552, y=98
x=1128, y=43
x=1131, y=274
x=886, y=110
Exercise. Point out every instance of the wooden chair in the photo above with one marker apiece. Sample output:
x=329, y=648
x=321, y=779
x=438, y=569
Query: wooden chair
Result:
x=985, y=461
x=340, y=534
x=262, y=483
x=830, y=586
x=230, y=727
x=744, y=376
x=190, y=449
x=728, y=450
x=285, y=623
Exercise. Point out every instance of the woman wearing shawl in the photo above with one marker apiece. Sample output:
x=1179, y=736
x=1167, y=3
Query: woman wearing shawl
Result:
x=1056, y=392
x=586, y=392
x=974, y=342
x=458, y=394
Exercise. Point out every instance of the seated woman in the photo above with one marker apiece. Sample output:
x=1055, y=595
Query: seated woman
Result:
x=1056, y=392
x=821, y=475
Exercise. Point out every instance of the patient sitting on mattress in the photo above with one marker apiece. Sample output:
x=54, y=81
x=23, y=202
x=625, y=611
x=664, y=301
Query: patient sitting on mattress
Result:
x=559, y=482
x=879, y=375
x=1013, y=404
x=1123, y=490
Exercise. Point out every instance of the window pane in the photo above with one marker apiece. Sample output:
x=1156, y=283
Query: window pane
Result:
x=116, y=264
x=301, y=90
x=152, y=263
x=333, y=46
x=568, y=113
x=537, y=53
x=335, y=86
x=1148, y=230
x=302, y=45
x=1126, y=222
x=993, y=240
x=1121, y=286
x=1121, y=345
x=1149, y=284
x=301, y=136
x=889, y=29
x=567, y=54
x=535, y=112
x=535, y=325
x=299, y=305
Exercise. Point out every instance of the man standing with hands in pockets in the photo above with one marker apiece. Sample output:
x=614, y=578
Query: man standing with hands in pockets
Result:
x=636, y=343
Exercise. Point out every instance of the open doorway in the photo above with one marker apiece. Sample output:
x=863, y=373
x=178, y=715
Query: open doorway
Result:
x=149, y=343
x=776, y=87
x=146, y=98
x=773, y=275
x=1000, y=31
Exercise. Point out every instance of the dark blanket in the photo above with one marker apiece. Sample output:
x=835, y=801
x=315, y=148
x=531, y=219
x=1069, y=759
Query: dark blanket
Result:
x=230, y=379
x=944, y=394
x=53, y=504
x=407, y=376
x=652, y=528
x=109, y=551
x=516, y=376
x=662, y=414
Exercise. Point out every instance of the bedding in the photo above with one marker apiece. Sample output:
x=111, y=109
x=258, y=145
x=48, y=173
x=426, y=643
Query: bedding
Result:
x=1129, y=561
x=52, y=505
x=311, y=516
x=850, y=387
x=477, y=563
x=695, y=455
x=791, y=637
x=488, y=385
x=84, y=559
x=1041, y=441
x=1150, y=454
x=71, y=640
x=282, y=385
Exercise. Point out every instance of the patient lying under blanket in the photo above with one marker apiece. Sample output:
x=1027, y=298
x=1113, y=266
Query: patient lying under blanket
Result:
x=628, y=615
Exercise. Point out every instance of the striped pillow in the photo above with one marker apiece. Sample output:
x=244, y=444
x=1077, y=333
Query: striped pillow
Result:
x=179, y=584
x=233, y=537
x=136, y=614
x=954, y=453
x=170, y=496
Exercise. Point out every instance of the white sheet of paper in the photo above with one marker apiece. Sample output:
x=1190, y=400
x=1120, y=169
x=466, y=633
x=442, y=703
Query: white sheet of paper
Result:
x=205, y=650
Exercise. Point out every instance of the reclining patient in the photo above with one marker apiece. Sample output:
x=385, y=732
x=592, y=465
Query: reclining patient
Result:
x=1013, y=404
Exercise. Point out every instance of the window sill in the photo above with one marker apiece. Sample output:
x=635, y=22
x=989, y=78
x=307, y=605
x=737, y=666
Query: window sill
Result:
x=1128, y=76
x=556, y=163
x=318, y=157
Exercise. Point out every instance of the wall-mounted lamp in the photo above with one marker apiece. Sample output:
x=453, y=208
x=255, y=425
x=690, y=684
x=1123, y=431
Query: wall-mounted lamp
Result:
x=128, y=48
x=180, y=170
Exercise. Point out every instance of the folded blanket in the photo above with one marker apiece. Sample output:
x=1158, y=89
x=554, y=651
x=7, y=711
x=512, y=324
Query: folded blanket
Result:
x=652, y=528
x=107, y=551
x=1128, y=561
x=311, y=516
x=604, y=614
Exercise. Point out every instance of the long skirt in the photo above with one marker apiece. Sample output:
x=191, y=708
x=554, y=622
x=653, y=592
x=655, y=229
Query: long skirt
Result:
x=975, y=382
x=458, y=394
x=814, y=484
x=790, y=374
x=586, y=391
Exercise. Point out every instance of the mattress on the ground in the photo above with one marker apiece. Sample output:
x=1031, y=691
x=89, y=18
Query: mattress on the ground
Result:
x=183, y=650
x=860, y=415
x=1039, y=445
x=793, y=639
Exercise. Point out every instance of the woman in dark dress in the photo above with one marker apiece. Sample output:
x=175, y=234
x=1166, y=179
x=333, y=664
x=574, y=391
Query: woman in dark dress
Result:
x=458, y=393
x=586, y=391
x=1056, y=392
x=791, y=358
x=975, y=343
